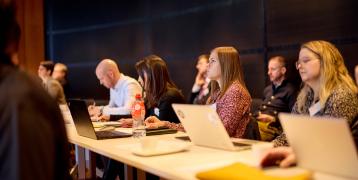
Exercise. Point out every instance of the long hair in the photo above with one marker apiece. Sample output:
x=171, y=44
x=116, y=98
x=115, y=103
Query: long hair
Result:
x=333, y=72
x=231, y=69
x=158, y=79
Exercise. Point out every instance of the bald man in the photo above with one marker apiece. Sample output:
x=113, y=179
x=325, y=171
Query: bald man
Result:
x=122, y=91
x=60, y=74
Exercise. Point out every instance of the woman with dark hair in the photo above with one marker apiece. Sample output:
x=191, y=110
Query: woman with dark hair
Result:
x=229, y=95
x=160, y=90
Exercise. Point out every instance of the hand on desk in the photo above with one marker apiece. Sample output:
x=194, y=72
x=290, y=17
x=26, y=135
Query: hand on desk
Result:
x=265, y=118
x=94, y=110
x=153, y=122
x=282, y=156
x=126, y=122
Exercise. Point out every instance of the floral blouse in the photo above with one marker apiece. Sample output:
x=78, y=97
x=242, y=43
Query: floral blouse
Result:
x=233, y=109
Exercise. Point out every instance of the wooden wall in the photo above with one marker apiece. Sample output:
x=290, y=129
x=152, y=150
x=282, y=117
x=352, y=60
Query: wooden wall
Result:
x=30, y=15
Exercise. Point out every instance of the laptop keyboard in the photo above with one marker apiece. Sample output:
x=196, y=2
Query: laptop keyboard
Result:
x=240, y=144
x=107, y=134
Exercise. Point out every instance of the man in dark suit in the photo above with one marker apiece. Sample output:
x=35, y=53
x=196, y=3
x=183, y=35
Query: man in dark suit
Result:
x=279, y=96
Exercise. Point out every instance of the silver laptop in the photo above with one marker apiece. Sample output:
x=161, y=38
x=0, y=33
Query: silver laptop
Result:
x=204, y=127
x=322, y=144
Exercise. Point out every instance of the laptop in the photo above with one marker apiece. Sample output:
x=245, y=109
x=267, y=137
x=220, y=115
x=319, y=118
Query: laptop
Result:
x=83, y=123
x=322, y=144
x=205, y=128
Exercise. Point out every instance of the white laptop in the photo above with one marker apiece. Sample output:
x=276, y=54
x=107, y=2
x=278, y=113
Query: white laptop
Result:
x=204, y=127
x=322, y=144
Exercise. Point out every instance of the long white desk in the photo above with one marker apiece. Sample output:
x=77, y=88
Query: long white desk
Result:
x=183, y=165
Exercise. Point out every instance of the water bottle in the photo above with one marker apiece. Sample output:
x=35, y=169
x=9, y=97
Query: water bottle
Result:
x=138, y=114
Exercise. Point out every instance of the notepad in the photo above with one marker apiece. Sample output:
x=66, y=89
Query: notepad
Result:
x=245, y=172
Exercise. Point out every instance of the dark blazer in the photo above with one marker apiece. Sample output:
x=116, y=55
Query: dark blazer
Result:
x=164, y=110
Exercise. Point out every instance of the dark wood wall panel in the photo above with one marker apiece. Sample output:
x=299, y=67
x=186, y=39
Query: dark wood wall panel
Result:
x=297, y=21
x=86, y=31
x=32, y=44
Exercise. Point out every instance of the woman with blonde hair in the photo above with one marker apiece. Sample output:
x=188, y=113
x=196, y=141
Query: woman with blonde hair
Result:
x=229, y=95
x=328, y=90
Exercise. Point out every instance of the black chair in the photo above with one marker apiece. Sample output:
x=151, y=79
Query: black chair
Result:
x=252, y=130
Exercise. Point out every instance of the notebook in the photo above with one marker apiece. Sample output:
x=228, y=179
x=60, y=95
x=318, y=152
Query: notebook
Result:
x=322, y=144
x=204, y=127
x=83, y=123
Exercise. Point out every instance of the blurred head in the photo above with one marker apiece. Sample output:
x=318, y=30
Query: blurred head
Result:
x=60, y=72
x=225, y=68
x=321, y=62
x=45, y=69
x=276, y=69
x=202, y=63
x=9, y=33
x=108, y=73
x=156, y=80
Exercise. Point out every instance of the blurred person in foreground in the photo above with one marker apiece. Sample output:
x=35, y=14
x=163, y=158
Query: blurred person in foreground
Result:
x=33, y=140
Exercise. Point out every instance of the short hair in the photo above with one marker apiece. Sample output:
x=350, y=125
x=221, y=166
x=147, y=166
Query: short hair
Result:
x=49, y=65
x=9, y=31
x=204, y=56
x=63, y=67
x=279, y=59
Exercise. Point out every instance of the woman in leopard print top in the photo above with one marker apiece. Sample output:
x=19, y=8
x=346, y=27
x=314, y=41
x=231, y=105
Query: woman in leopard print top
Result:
x=326, y=84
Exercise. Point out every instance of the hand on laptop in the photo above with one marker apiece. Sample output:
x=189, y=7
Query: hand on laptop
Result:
x=153, y=122
x=94, y=110
x=282, y=156
x=126, y=122
x=103, y=118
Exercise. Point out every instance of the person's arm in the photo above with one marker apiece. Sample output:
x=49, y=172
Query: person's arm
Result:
x=342, y=104
x=154, y=122
x=131, y=90
x=234, y=111
x=282, y=156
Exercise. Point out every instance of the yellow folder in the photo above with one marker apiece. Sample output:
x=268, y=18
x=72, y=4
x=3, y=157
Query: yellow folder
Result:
x=244, y=172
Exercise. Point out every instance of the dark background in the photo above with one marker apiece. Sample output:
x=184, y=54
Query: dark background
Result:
x=82, y=32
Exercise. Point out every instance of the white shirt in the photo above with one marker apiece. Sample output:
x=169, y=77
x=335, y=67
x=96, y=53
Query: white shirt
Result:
x=122, y=96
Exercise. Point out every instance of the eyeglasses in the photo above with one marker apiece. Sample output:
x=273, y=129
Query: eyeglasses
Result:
x=303, y=62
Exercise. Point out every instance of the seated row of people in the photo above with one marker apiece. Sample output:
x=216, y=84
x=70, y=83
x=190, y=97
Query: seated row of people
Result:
x=231, y=99
x=328, y=90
